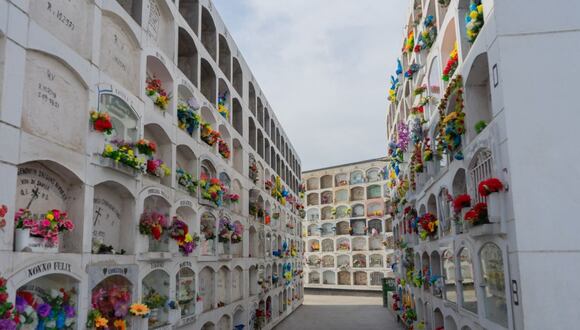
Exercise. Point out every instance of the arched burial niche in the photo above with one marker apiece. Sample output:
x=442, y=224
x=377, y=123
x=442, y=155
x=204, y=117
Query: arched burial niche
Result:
x=252, y=97
x=208, y=33
x=328, y=261
x=155, y=215
x=185, y=291
x=341, y=196
x=238, y=77
x=225, y=57
x=357, y=177
x=478, y=97
x=312, y=184
x=314, y=277
x=239, y=318
x=159, y=27
x=237, y=284
x=223, y=285
x=254, y=287
x=357, y=194
x=448, y=272
x=54, y=94
x=224, y=323
x=155, y=287
x=224, y=100
x=36, y=295
x=208, y=326
x=237, y=238
x=119, y=51
x=189, y=9
x=43, y=186
x=186, y=172
x=374, y=191
x=344, y=278
x=327, y=213
x=123, y=117
x=206, y=288
x=113, y=211
x=360, y=278
x=327, y=245
x=341, y=179
x=326, y=182
x=376, y=278
x=329, y=277
x=159, y=85
x=467, y=279
x=208, y=234
x=159, y=162
x=208, y=81
x=373, y=175
x=493, y=275
x=237, y=116
x=187, y=56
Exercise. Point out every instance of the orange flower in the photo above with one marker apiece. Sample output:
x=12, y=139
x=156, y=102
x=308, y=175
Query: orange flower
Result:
x=120, y=324
x=101, y=322
x=139, y=309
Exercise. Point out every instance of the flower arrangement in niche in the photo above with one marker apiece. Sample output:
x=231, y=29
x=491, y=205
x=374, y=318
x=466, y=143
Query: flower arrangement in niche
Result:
x=212, y=189
x=208, y=135
x=409, y=42
x=179, y=231
x=153, y=223
x=53, y=309
x=157, y=167
x=477, y=215
x=279, y=192
x=451, y=65
x=9, y=318
x=474, y=20
x=47, y=226
x=238, y=233
x=146, y=147
x=253, y=170
x=489, y=186
x=413, y=68
x=460, y=202
x=451, y=126
x=187, y=119
x=185, y=179
x=101, y=122
x=428, y=35
x=427, y=152
x=154, y=299
x=226, y=229
x=268, y=184
x=393, y=90
x=427, y=225
x=222, y=109
x=224, y=149
x=231, y=198
x=110, y=305
x=207, y=230
x=124, y=154
x=156, y=93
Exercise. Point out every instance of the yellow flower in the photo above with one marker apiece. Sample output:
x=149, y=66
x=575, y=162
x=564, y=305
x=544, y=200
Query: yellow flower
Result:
x=480, y=9
x=188, y=238
x=50, y=217
x=101, y=322
x=108, y=148
x=130, y=152
x=139, y=309
x=120, y=324
x=94, y=115
x=473, y=14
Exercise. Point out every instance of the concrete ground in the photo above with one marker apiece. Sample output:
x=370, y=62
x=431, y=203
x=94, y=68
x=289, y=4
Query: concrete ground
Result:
x=340, y=311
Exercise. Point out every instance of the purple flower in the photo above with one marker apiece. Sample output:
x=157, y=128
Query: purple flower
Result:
x=20, y=304
x=43, y=310
x=121, y=309
x=69, y=311
x=7, y=324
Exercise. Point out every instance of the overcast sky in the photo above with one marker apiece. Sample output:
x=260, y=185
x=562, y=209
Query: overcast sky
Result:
x=324, y=67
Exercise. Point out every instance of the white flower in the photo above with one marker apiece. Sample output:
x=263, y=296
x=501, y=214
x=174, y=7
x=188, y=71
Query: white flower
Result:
x=51, y=324
x=54, y=293
x=69, y=322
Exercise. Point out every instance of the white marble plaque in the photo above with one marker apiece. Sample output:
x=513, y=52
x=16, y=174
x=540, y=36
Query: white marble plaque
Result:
x=120, y=53
x=107, y=205
x=158, y=26
x=68, y=20
x=55, y=103
x=40, y=189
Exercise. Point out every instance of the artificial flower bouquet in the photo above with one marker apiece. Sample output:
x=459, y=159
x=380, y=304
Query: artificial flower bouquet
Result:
x=451, y=65
x=51, y=310
x=125, y=155
x=238, y=233
x=222, y=109
x=226, y=229
x=428, y=224
x=157, y=167
x=185, y=179
x=477, y=215
x=9, y=318
x=152, y=224
x=146, y=147
x=101, y=122
x=231, y=198
x=460, y=202
x=489, y=186
x=253, y=171
x=474, y=20
x=208, y=231
x=224, y=149
x=156, y=93
x=212, y=189
x=208, y=135
x=187, y=119
x=47, y=226
x=179, y=231
x=155, y=300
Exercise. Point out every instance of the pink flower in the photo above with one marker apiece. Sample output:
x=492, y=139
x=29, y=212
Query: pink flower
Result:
x=69, y=225
x=56, y=214
x=45, y=223
x=28, y=223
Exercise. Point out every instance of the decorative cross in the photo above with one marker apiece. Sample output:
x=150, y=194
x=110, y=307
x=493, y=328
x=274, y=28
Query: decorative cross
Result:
x=97, y=215
x=34, y=196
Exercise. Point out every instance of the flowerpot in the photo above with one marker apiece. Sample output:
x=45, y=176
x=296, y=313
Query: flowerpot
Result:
x=494, y=207
x=160, y=245
x=23, y=242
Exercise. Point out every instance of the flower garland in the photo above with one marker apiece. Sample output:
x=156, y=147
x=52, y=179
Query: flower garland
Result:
x=489, y=186
x=101, y=122
x=451, y=127
x=185, y=179
x=157, y=167
x=403, y=136
x=427, y=152
x=224, y=149
x=222, y=109
x=153, y=224
x=226, y=229
x=474, y=20
x=156, y=93
x=9, y=318
x=47, y=227
x=208, y=135
x=451, y=65
x=212, y=189
x=179, y=231
x=460, y=202
x=187, y=119
x=428, y=35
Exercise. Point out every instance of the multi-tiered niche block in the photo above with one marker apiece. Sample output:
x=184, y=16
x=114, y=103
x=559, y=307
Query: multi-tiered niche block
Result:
x=137, y=129
x=346, y=231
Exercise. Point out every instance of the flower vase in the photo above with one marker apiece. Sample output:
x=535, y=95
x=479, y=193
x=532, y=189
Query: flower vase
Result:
x=24, y=242
x=153, y=316
x=494, y=207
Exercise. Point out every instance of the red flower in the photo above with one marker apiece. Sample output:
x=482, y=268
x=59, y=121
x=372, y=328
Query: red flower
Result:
x=489, y=186
x=461, y=202
x=156, y=232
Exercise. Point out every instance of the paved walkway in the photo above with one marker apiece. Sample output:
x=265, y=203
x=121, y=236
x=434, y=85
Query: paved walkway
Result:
x=340, y=312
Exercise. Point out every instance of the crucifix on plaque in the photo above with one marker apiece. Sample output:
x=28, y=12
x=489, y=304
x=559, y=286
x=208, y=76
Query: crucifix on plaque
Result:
x=34, y=196
x=97, y=215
